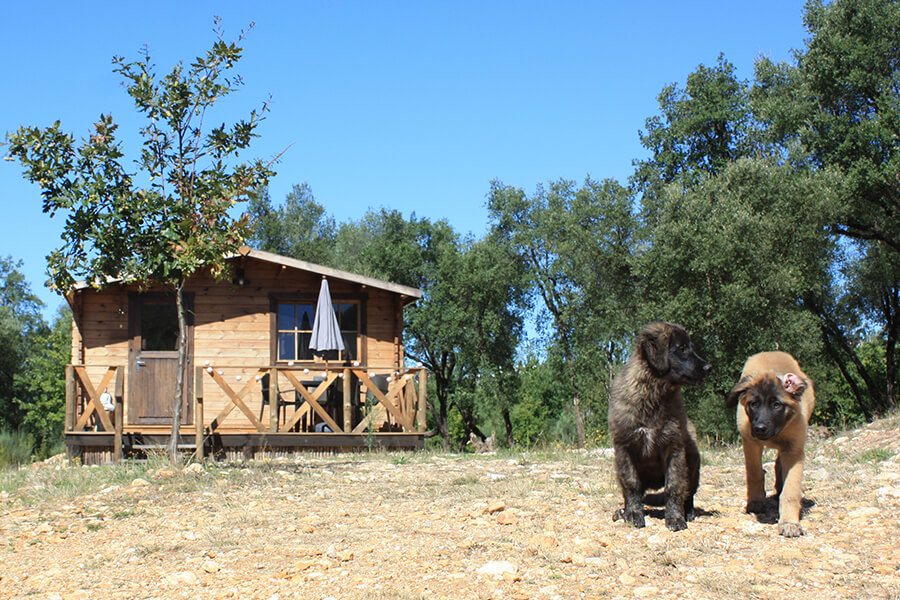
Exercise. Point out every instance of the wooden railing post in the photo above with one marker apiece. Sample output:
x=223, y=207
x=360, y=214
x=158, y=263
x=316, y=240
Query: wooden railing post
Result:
x=274, y=399
x=71, y=410
x=119, y=410
x=348, y=406
x=421, y=421
x=198, y=414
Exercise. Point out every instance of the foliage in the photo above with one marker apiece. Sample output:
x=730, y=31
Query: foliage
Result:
x=730, y=260
x=837, y=107
x=15, y=448
x=180, y=221
x=20, y=323
x=577, y=244
x=40, y=387
x=299, y=227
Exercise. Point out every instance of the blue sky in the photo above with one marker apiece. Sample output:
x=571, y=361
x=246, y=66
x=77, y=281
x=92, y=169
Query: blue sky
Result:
x=412, y=105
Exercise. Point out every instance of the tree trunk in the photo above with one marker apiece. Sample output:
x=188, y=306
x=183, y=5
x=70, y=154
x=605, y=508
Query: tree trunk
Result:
x=891, y=312
x=507, y=422
x=441, y=392
x=174, y=457
x=576, y=406
x=848, y=377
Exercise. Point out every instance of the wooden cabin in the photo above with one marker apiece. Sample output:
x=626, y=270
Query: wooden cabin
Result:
x=252, y=386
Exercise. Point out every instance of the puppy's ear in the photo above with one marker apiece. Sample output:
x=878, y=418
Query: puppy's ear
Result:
x=654, y=347
x=793, y=384
x=731, y=399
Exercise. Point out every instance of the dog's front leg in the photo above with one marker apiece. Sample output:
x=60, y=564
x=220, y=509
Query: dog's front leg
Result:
x=632, y=491
x=756, y=482
x=791, y=493
x=676, y=489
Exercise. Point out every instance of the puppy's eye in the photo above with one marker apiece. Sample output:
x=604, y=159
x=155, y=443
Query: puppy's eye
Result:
x=754, y=403
x=777, y=404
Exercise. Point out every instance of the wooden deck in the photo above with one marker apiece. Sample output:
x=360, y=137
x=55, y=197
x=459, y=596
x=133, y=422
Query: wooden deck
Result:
x=280, y=409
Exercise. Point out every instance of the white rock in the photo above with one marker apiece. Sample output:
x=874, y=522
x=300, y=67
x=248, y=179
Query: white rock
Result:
x=181, y=578
x=498, y=568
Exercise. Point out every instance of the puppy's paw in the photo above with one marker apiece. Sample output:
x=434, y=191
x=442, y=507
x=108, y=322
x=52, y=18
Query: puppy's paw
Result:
x=636, y=518
x=690, y=515
x=757, y=507
x=790, y=529
x=675, y=522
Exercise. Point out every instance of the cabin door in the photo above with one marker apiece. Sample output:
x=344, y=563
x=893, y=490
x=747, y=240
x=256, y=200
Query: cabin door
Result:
x=153, y=357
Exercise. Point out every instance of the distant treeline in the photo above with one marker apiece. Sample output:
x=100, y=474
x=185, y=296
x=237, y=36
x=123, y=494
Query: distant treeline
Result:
x=766, y=216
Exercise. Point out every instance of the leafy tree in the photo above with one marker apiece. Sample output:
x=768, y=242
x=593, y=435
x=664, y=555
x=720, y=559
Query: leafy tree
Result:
x=577, y=245
x=841, y=101
x=699, y=130
x=299, y=227
x=40, y=386
x=180, y=221
x=732, y=259
x=20, y=322
x=836, y=107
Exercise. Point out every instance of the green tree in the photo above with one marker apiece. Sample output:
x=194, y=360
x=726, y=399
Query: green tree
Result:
x=299, y=227
x=836, y=107
x=732, y=260
x=181, y=220
x=840, y=100
x=577, y=245
x=40, y=385
x=20, y=323
x=699, y=130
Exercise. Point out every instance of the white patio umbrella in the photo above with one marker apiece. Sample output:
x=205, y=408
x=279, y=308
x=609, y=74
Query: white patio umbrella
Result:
x=326, y=331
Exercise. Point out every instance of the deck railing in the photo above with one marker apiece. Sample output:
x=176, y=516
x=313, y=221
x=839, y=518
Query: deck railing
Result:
x=401, y=395
x=84, y=410
x=326, y=399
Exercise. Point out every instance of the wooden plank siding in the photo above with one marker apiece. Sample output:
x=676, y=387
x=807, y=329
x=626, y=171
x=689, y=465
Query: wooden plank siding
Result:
x=232, y=332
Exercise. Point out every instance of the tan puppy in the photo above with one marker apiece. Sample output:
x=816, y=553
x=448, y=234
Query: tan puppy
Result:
x=775, y=400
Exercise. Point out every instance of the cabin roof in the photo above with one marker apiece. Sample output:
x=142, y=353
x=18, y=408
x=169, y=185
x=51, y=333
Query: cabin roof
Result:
x=409, y=294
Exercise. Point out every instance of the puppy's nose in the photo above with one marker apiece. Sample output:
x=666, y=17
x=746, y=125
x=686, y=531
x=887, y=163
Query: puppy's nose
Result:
x=759, y=429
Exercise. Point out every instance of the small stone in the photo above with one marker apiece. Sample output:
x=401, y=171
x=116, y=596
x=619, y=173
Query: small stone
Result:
x=542, y=541
x=181, y=578
x=211, y=566
x=164, y=473
x=194, y=468
x=498, y=568
x=626, y=579
x=645, y=591
x=507, y=518
x=863, y=512
x=495, y=507
x=140, y=483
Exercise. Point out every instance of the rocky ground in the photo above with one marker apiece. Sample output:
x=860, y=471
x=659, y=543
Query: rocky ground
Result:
x=523, y=525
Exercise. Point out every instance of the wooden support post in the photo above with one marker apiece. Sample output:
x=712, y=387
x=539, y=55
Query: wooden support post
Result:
x=198, y=414
x=274, y=399
x=118, y=414
x=421, y=423
x=71, y=409
x=348, y=407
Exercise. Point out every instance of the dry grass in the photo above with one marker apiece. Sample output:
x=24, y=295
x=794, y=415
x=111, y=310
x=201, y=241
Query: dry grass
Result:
x=419, y=526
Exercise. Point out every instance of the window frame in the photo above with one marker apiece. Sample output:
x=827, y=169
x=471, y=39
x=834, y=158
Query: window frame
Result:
x=275, y=300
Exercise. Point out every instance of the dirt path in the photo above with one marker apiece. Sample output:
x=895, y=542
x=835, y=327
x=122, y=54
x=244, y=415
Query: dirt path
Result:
x=430, y=526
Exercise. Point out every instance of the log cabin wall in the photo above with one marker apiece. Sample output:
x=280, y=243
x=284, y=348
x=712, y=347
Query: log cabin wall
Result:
x=232, y=330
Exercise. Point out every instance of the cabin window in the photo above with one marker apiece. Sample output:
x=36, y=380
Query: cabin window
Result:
x=294, y=323
x=159, y=326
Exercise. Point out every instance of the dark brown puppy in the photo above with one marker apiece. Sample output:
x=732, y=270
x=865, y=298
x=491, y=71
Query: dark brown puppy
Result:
x=776, y=400
x=653, y=440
